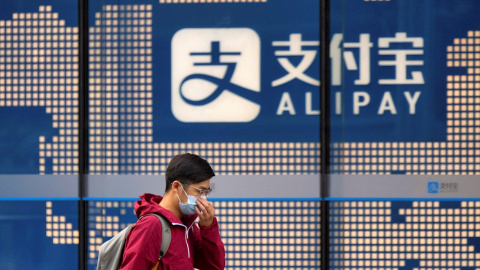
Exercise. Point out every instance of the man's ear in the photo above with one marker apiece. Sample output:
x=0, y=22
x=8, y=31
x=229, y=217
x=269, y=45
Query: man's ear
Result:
x=176, y=186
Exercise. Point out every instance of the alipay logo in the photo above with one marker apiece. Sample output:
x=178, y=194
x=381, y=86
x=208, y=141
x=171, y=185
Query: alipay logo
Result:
x=433, y=187
x=215, y=75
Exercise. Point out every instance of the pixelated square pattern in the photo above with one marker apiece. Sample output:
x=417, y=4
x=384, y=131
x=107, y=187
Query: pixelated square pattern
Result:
x=416, y=235
x=39, y=67
x=57, y=228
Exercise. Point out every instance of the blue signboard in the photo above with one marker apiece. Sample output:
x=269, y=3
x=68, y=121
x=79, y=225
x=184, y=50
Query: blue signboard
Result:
x=229, y=72
x=226, y=72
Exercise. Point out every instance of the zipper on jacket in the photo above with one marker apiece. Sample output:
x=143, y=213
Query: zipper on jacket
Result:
x=186, y=236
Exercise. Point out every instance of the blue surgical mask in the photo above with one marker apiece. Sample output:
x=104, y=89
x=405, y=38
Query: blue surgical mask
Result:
x=189, y=207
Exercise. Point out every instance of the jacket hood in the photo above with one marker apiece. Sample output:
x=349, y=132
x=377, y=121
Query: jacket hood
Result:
x=150, y=203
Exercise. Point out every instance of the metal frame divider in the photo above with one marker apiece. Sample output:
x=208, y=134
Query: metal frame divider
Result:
x=83, y=134
x=324, y=130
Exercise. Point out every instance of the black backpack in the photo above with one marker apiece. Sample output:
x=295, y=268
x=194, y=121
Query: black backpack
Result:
x=110, y=255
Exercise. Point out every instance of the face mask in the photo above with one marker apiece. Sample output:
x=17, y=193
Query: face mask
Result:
x=189, y=207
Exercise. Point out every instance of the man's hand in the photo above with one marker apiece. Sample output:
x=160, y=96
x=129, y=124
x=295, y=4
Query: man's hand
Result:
x=205, y=212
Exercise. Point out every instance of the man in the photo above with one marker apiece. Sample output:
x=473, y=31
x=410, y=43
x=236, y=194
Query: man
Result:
x=187, y=185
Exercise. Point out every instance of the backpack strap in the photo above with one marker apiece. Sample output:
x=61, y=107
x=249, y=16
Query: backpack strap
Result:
x=166, y=233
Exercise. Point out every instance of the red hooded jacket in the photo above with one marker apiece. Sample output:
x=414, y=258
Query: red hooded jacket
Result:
x=190, y=246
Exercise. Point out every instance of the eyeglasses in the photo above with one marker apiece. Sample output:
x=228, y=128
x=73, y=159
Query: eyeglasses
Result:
x=203, y=191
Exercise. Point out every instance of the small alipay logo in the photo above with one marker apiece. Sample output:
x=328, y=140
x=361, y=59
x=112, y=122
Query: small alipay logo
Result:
x=215, y=75
x=433, y=187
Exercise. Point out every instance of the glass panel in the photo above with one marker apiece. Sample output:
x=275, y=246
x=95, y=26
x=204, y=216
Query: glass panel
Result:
x=405, y=91
x=404, y=234
x=221, y=80
x=38, y=115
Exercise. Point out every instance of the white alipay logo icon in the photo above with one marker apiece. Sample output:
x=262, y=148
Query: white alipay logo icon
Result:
x=215, y=75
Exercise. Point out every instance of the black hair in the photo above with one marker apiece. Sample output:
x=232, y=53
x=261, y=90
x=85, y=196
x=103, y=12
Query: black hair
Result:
x=188, y=169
